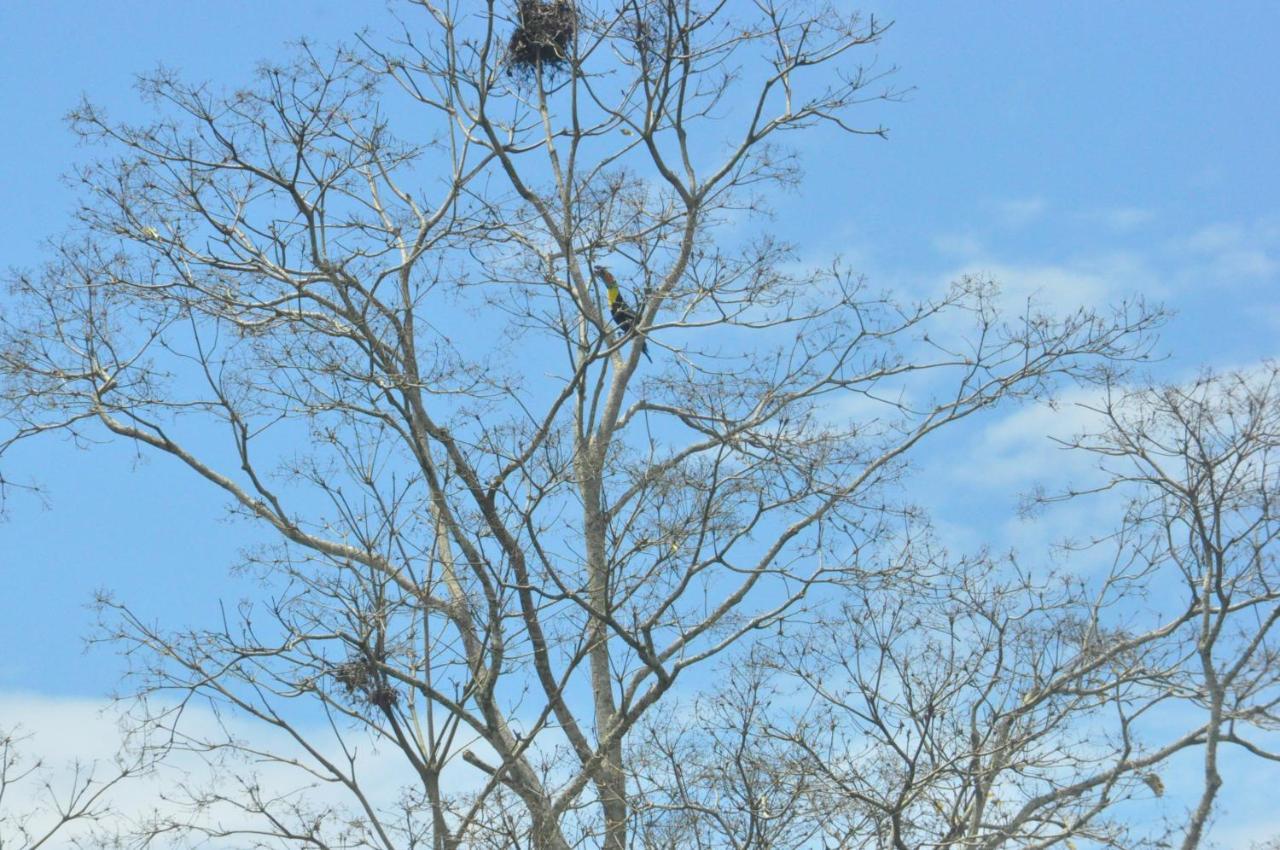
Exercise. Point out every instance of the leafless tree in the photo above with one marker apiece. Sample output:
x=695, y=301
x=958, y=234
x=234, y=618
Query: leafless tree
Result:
x=503, y=541
x=40, y=807
x=1201, y=463
x=979, y=706
x=968, y=711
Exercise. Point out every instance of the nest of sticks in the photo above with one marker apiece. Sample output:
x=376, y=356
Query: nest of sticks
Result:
x=543, y=35
x=363, y=681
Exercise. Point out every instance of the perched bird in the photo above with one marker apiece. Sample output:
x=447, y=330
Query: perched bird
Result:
x=623, y=317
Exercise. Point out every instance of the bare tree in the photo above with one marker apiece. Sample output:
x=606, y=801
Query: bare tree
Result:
x=975, y=709
x=502, y=543
x=40, y=806
x=1201, y=463
x=982, y=706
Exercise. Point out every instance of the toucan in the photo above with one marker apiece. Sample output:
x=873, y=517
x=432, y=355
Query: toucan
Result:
x=623, y=317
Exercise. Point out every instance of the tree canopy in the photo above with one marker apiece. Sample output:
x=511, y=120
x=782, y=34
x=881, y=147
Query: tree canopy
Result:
x=583, y=599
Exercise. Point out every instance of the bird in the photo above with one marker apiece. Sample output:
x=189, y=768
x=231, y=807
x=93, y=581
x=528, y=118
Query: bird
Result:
x=622, y=314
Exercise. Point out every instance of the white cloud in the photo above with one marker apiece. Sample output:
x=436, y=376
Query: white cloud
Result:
x=61, y=728
x=1123, y=219
x=61, y=731
x=1061, y=288
x=958, y=245
x=1219, y=255
x=1020, y=449
x=64, y=741
x=979, y=478
x=1017, y=212
x=1024, y=447
x=1232, y=252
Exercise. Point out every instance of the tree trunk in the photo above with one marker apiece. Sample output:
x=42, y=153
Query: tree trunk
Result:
x=610, y=780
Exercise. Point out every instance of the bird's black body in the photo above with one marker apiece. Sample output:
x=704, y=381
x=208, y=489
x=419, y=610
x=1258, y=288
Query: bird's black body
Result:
x=621, y=312
x=622, y=315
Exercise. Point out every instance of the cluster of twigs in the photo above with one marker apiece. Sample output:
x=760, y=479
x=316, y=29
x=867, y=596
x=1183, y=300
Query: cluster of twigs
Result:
x=542, y=36
x=363, y=681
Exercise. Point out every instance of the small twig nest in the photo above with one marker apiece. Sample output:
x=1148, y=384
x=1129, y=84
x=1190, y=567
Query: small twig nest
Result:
x=383, y=696
x=543, y=35
x=362, y=680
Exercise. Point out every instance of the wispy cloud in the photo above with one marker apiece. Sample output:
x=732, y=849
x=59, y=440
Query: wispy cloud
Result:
x=1022, y=448
x=958, y=245
x=67, y=734
x=1237, y=252
x=1018, y=212
x=1061, y=287
x=1122, y=219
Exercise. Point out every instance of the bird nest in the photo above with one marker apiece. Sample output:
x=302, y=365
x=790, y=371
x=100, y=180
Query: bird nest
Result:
x=544, y=31
x=364, y=681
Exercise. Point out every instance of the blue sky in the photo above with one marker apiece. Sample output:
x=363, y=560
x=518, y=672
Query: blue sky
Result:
x=1087, y=151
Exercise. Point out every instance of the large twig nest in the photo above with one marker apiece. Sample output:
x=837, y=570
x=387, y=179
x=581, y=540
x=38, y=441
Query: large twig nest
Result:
x=544, y=31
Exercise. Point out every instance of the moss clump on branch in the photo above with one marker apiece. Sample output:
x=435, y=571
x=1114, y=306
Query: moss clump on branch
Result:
x=543, y=33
